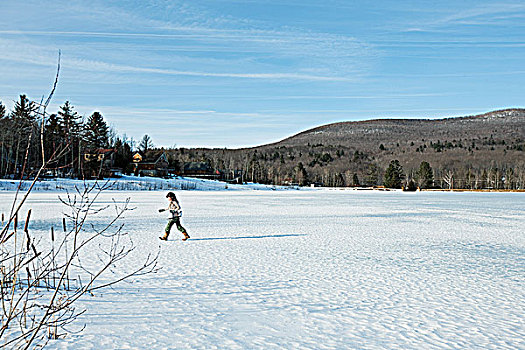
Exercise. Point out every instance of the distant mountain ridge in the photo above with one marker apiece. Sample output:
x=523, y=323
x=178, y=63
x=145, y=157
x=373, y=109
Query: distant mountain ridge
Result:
x=507, y=123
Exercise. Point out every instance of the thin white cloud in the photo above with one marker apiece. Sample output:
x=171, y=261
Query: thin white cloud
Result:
x=484, y=14
x=348, y=97
x=115, y=34
x=38, y=57
x=331, y=55
x=451, y=43
x=455, y=75
x=484, y=11
x=160, y=113
x=384, y=111
x=318, y=44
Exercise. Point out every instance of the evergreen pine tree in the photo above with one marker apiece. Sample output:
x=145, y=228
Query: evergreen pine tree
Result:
x=4, y=138
x=96, y=132
x=69, y=121
x=425, y=175
x=22, y=112
x=394, y=175
x=52, y=134
x=355, y=180
x=123, y=155
x=22, y=122
x=300, y=174
x=71, y=125
x=372, y=175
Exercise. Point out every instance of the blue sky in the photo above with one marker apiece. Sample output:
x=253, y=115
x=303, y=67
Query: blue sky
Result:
x=235, y=73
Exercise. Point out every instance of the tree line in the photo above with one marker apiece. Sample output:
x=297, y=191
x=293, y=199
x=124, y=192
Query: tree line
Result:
x=67, y=137
x=70, y=138
x=338, y=166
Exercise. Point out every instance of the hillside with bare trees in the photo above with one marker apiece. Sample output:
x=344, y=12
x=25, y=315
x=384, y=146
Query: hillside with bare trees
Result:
x=482, y=151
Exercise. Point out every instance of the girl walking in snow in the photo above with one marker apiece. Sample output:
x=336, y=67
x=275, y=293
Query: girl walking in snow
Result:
x=174, y=218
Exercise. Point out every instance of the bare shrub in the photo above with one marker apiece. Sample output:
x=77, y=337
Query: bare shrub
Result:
x=43, y=277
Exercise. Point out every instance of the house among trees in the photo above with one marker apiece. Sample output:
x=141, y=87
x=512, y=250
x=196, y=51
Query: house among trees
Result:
x=100, y=163
x=200, y=170
x=105, y=155
x=151, y=163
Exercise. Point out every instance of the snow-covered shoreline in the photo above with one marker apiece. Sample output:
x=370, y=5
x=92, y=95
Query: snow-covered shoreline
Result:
x=136, y=183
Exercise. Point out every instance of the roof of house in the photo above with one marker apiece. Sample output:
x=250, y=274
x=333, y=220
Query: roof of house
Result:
x=105, y=150
x=197, y=166
x=152, y=156
x=101, y=151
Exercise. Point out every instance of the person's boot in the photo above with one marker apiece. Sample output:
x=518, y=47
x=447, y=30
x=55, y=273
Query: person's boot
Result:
x=186, y=236
x=165, y=237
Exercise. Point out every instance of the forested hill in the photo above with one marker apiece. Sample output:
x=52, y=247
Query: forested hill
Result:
x=504, y=124
x=494, y=139
x=472, y=149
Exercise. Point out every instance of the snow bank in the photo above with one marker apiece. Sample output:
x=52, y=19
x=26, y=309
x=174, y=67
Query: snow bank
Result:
x=135, y=183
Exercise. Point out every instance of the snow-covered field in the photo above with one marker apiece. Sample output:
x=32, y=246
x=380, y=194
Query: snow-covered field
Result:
x=315, y=270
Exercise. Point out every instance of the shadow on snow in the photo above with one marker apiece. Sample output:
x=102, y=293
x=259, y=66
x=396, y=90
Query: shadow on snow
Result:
x=246, y=237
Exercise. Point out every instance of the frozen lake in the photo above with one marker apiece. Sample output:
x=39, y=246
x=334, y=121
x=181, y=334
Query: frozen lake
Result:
x=315, y=270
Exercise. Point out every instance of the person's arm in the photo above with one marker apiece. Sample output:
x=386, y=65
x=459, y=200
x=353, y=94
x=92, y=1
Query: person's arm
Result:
x=164, y=209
